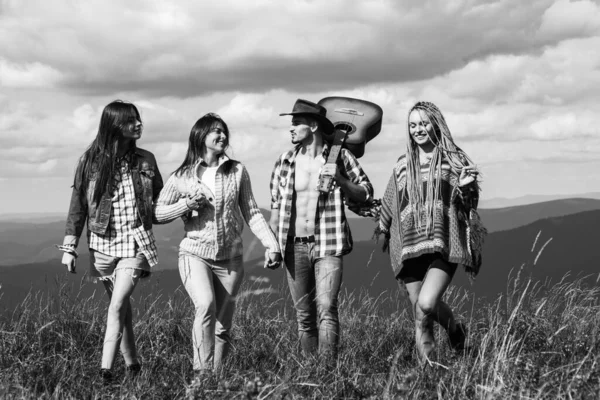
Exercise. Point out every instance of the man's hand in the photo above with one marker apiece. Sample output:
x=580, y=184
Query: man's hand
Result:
x=353, y=191
x=273, y=260
x=332, y=170
x=68, y=259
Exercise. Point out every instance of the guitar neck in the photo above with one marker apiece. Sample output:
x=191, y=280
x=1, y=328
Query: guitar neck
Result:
x=336, y=146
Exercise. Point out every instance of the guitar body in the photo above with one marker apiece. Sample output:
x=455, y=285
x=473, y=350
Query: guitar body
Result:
x=360, y=119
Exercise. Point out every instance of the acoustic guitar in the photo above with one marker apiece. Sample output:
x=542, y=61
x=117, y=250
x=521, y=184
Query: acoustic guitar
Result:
x=356, y=122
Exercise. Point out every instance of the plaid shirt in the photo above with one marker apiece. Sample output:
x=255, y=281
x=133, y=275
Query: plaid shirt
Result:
x=125, y=233
x=332, y=233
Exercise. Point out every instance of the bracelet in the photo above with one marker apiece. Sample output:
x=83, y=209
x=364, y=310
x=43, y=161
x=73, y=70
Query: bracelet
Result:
x=68, y=248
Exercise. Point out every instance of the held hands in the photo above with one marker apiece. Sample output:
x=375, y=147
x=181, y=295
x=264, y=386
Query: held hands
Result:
x=468, y=174
x=273, y=260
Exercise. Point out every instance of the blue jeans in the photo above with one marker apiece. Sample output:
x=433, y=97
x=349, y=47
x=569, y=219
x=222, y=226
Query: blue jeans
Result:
x=314, y=285
x=212, y=286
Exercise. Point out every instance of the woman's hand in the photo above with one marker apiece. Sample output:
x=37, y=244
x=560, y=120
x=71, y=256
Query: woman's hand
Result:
x=196, y=201
x=273, y=260
x=468, y=174
x=68, y=259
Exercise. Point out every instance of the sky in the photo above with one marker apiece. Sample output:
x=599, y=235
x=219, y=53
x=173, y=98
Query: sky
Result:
x=518, y=82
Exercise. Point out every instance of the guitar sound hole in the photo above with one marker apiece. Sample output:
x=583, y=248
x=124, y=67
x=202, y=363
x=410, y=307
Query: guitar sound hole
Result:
x=346, y=127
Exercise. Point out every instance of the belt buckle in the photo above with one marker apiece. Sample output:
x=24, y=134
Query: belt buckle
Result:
x=305, y=239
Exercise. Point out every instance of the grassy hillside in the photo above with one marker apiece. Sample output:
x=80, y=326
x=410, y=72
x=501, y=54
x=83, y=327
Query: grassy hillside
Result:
x=536, y=341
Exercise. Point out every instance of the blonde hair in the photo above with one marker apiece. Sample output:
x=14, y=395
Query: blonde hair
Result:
x=444, y=148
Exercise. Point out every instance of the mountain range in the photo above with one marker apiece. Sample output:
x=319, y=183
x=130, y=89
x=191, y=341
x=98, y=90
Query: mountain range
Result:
x=30, y=262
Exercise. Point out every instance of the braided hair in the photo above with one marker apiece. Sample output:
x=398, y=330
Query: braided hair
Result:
x=444, y=148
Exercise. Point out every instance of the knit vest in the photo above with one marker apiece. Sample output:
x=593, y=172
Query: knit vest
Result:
x=215, y=230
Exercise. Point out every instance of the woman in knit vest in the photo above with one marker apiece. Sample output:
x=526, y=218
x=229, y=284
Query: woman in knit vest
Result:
x=425, y=218
x=213, y=195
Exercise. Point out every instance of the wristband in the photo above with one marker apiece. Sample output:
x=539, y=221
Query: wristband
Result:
x=68, y=249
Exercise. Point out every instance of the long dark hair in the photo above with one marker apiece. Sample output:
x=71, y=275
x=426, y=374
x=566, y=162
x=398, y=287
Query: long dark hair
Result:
x=196, y=145
x=101, y=155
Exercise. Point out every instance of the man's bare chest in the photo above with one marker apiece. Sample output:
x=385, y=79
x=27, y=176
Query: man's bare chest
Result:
x=307, y=173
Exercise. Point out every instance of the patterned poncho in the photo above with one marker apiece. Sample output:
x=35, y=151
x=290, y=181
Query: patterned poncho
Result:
x=449, y=235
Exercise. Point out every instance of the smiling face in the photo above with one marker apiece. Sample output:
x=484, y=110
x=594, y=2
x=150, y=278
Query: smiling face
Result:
x=216, y=139
x=420, y=129
x=133, y=129
x=302, y=129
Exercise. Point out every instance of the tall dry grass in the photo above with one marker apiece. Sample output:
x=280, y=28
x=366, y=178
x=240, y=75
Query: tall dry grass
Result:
x=536, y=341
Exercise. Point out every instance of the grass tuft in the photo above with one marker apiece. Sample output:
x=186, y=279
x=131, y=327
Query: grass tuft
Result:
x=536, y=341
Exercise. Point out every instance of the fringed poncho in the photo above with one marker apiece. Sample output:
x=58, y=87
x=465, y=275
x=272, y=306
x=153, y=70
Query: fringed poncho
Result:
x=450, y=233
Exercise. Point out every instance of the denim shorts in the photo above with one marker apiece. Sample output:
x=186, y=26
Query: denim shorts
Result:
x=104, y=266
x=415, y=269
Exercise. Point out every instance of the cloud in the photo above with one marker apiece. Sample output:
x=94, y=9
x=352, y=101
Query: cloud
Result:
x=518, y=82
x=192, y=48
x=85, y=118
x=570, y=125
x=572, y=19
x=22, y=124
x=245, y=108
x=35, y=142
x=28, y=75
x=561, y=74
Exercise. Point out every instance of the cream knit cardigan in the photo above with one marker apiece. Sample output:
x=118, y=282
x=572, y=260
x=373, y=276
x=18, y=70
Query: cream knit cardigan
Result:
x=215, y=230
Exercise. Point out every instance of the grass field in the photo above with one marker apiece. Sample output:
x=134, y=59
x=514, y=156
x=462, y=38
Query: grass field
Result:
x=536, y=341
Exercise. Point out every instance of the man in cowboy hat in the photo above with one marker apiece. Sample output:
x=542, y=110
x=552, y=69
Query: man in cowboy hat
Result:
x=311, y=225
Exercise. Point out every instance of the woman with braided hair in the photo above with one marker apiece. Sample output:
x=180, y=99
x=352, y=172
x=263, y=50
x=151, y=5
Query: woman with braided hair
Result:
x=425, y=217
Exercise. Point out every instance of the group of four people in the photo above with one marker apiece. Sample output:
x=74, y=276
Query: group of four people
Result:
x=118, y=191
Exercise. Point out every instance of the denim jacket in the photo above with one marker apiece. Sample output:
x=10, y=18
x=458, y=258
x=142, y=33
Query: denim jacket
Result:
x=147, y=183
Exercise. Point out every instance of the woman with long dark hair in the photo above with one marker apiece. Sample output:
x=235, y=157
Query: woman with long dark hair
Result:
x=213, y=195
x=426, y=212
x=114, y=189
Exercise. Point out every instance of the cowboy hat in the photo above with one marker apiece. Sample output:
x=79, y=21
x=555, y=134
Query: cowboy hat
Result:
x=305, y=107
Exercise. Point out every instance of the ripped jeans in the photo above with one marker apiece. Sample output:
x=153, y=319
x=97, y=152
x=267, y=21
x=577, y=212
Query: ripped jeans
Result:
x=212, y=286
x=314, y=285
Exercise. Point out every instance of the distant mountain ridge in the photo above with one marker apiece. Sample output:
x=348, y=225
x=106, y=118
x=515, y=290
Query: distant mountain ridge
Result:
x=33, y=242
x=500, y=219
x=569, y=246
x=502, y=202
x=495, y=202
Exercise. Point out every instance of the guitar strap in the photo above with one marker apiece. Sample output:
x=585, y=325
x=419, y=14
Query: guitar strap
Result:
x=334, y=152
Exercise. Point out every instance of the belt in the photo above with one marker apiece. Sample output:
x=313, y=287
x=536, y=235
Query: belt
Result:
x=302, y=239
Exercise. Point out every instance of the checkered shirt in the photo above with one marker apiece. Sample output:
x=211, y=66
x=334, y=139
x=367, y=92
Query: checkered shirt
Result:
x=125, y=233
x=332, y=232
